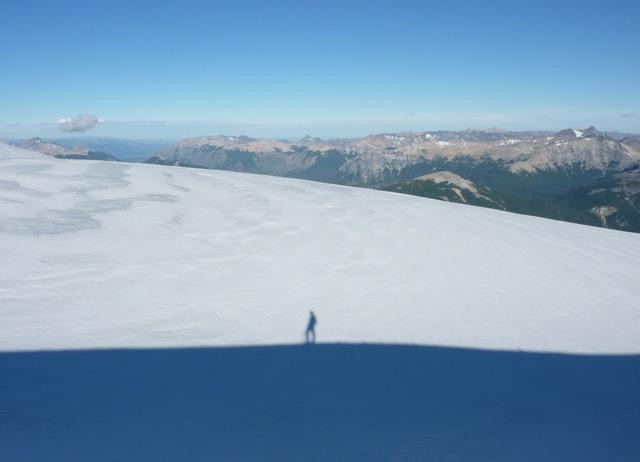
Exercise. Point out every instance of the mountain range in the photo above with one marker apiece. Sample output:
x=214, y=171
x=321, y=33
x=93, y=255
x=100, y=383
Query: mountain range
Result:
x=54, y=149
x=584, y=176
x=124, y=149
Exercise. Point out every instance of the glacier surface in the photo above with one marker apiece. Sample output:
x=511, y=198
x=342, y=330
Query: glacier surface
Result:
x=103, y=254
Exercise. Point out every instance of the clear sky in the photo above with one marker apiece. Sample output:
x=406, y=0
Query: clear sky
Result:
x=347, y=68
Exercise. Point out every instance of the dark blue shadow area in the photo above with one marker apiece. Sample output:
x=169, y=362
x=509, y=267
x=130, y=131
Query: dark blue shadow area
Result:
x=327, y=402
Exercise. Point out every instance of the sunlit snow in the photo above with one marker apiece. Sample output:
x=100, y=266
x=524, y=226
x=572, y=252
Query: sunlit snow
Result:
x=99, y=254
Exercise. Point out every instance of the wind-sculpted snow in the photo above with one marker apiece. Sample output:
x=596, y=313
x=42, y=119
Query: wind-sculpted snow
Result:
x=99, y=254
x=81, y=214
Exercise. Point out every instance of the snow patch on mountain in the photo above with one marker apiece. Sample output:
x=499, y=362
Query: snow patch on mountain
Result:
x=395, y=138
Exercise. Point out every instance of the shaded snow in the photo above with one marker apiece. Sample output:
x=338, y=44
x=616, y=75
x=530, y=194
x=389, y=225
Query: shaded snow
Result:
x=325, y=403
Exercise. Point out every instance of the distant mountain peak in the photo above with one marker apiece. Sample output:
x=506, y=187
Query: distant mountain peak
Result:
x=569, y=134
x=486, y=130
x=590, y=132
x=310, y=139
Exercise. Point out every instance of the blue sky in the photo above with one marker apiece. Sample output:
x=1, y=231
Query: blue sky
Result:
x=283, y=69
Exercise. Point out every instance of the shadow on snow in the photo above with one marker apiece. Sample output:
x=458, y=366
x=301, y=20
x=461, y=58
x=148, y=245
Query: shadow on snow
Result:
x=329, y=402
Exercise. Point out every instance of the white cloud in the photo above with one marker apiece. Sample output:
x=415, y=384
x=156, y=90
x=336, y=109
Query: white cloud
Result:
x=81, y=123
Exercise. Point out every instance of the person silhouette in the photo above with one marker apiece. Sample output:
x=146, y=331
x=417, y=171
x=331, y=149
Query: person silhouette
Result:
x=310, y=333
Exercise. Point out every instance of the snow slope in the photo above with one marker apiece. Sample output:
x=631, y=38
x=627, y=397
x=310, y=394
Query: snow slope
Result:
x=102, y=261
x=12, y=152
x=100, y=254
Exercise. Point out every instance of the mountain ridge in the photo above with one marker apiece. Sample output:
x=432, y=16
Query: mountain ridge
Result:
x=526, y=172
x=54, y=149
x=373, y=153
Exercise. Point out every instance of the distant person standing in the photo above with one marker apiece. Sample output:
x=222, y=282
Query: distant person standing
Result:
x=310, y=334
